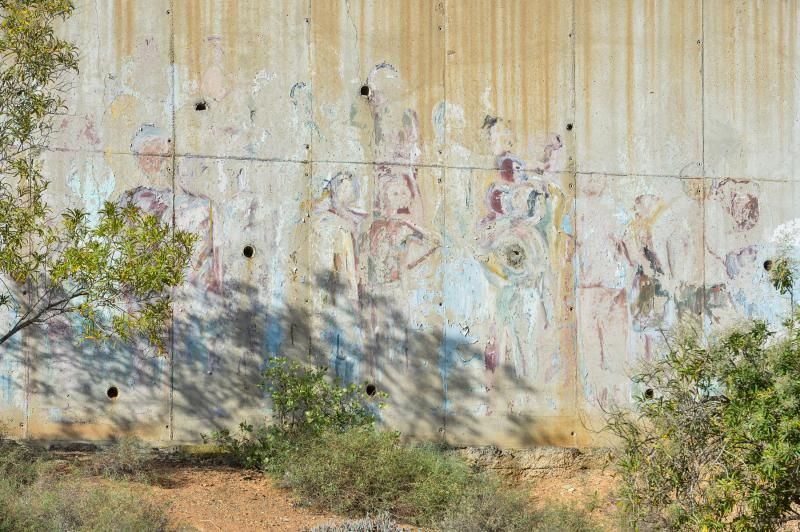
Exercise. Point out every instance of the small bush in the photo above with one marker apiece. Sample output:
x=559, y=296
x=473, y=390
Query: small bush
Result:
x=304, y=401
x=266, y=448
x=19, y=463
x=324, y=446
x=384, y=523
x=68, y=505
x=305, y=404
x=126, y=458
x=488, y=506
x=362, y=472
x=37, y=494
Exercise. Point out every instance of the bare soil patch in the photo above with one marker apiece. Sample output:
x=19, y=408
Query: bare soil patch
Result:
x=592, y=490
x=214, y=498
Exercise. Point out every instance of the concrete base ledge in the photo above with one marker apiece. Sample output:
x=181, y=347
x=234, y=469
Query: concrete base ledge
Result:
x=536, y=462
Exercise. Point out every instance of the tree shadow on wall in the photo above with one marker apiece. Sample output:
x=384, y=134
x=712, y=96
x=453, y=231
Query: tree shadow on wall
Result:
x=221, y=344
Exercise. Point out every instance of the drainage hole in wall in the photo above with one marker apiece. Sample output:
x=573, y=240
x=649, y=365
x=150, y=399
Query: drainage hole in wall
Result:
x=768, y=265
x=648, y=393
x=112, y=392
x=569, y=127
x=365, y=91
x=249, y=251
x=371, y=389
x=572, y=433
x=200, y=106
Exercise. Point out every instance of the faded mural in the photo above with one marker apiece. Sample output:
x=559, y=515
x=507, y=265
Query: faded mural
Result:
x=493, y=225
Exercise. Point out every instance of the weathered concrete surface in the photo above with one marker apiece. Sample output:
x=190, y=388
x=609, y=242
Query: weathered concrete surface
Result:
x=488, y=209
x=536, y=462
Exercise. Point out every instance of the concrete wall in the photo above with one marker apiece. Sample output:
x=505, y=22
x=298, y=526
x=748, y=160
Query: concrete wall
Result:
x=530, y=191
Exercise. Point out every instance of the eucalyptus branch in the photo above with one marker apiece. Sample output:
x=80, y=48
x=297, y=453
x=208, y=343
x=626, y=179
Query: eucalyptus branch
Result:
x=72, y=267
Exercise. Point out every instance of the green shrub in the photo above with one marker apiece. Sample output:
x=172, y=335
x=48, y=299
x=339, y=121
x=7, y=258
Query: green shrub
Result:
x=67, y=504
x=37, y=494
x=266, y=448
x=305, y=404
x=305, y=401
x=125, y=458
x=19, y=463
x=714, y=441
x=364, y=472
x=488, y=506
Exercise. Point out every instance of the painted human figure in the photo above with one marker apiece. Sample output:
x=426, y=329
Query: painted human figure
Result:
x=648, y=297
x=337, y=224
x=513, y=250
x=394, y=245
x=395, y=127
x=335, y=230
x=514, y=255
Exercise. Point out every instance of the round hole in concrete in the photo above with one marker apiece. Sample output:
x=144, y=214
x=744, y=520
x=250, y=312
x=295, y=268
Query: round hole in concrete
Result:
x=768, y=265
x=569, y=127
x=200, y=106
x=371, y=389
x=112, y=392
x=648, y=393
x=249, y=251
x=365, y=91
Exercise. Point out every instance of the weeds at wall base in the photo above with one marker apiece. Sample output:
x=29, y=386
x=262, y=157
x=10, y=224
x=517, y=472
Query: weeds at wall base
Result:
x=38, y=493
x=324, y=447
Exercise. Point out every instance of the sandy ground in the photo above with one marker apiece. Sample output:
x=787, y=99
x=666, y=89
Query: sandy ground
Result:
x=591, y=490
x=213, y=498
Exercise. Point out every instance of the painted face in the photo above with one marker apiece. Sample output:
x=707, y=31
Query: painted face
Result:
x=527, y=202
x=646, y=204
x=536, y=206
x=151, y=157
x=512, y=170
x=344, y=191
x=397, y=196
x=744, y=210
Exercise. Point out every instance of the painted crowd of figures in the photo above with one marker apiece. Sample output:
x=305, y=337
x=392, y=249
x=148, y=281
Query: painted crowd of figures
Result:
x=369, y=258
x=373, y=251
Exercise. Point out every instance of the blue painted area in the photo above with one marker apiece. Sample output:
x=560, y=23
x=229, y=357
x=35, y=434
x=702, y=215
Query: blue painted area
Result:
x=275, y=333
x=7, y=389
x=566, y=225
x=96, y=187
x=274, y=336
x=196, y=347
x=463, y=297
x=344, y=356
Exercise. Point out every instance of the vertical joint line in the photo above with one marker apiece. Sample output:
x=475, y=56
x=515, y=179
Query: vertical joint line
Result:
x=704, y=299
x=174, y=170
x=309, y=167
x=443, y=347
x=703, y=88
x=573, y=40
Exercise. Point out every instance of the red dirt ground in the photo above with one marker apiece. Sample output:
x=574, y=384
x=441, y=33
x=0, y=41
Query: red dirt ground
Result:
x=218, y=498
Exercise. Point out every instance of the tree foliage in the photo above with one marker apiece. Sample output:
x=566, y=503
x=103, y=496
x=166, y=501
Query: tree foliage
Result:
x=111, y=270
x=713, y=440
